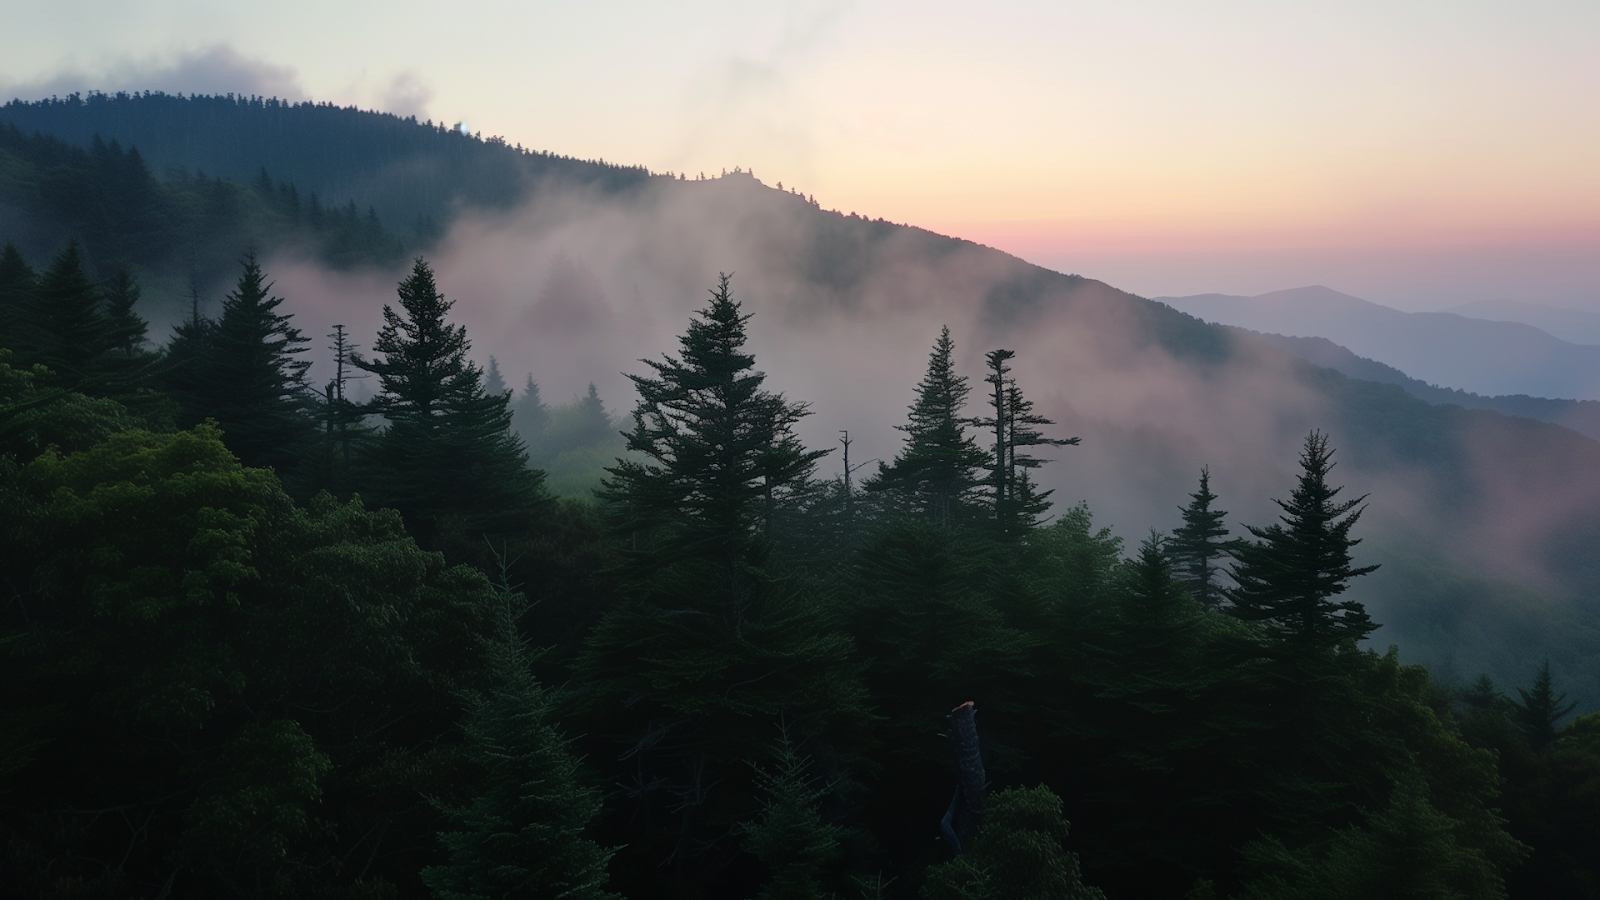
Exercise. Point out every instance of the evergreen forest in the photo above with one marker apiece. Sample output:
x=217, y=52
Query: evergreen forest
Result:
x=260, y=638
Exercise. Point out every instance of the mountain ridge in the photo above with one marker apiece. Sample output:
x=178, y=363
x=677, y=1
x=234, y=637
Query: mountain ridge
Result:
x=1474, y=355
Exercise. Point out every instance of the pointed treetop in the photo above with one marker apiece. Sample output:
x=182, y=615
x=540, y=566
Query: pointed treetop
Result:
x=1198, y=546
x=493, y=384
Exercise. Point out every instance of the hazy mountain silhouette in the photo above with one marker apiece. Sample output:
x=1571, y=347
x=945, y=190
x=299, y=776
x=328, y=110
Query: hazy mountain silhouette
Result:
x=1574, y=326
x=1582, y=416
x=1471, y=354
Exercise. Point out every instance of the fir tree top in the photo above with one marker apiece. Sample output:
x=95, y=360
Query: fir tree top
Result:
x=1290, y=575
x=719, y=448
x=937, y=466
x=1196, y=545
x=424, y=369
x=73, y=331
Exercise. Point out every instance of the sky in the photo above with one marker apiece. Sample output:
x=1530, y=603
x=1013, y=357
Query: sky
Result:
x=1419, y=154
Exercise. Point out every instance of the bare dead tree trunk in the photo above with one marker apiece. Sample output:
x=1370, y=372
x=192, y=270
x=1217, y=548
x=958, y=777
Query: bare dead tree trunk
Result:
x=965, y=816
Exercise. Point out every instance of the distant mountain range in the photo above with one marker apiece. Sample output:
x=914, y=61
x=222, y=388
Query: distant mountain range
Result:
x=1490, y=358
x=1582, y=416
x=1575, y=326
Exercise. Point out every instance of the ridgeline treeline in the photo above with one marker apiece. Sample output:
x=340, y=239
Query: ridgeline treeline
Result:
x=417, y=177
x=261, y=640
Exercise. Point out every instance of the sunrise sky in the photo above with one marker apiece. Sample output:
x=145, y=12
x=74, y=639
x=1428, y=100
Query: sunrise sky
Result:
x=1418, y=154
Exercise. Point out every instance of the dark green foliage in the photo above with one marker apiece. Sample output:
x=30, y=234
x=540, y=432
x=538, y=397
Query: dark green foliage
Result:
x=1540, y=709
x=104, y=195
x=447, y=458
x=253, y=804
x=1406, y=849
x=707, y=649
x=1019, y=855
x=521, y=836
x=720, y=451
x=192, y=673
x=35, y=415
x=128, y=329
x=71, y=333
x=1290, y=577
x=1549, y=788
x=247, y=376
x=17, y=284
x=935, y=473
x=1199, y=544
x=790, y=837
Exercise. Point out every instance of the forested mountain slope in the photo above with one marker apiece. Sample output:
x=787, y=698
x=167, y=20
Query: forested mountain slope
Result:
x=594, y=264
x=414, y=175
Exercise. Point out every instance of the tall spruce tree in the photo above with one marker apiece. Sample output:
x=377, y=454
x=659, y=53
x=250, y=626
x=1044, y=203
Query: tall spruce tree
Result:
x=493, y=384
x=1539, y=709
x=1290, y=577
x=936, y=470
x=18, y=282
x=530, y=416
x=709, y=650
x=128, y=328
x=1197, y=546
x=719, y=449
x=448, y=452
x=523, y=835
x=248, y=376
x=70, y=330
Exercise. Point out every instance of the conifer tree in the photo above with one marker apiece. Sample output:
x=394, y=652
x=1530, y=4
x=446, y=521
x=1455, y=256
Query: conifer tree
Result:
x=18, y=282
x=1289, y=578
x=1199, y=544
x=70, y=330
x=1539, y=709
x=708, y=645
x=1017, y=504
x=128, y=329
x=530, y=417
x=183, y=374
x=448, y=450
x=719, y=448
x=493, y=384
x=522, y=836
x=581, y=423
x=936, y=469
x=790, y=836
x=249, y=378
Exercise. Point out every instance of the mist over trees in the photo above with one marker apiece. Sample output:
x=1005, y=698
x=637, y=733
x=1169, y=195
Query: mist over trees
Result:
x=302, y=646
x=464, y=639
